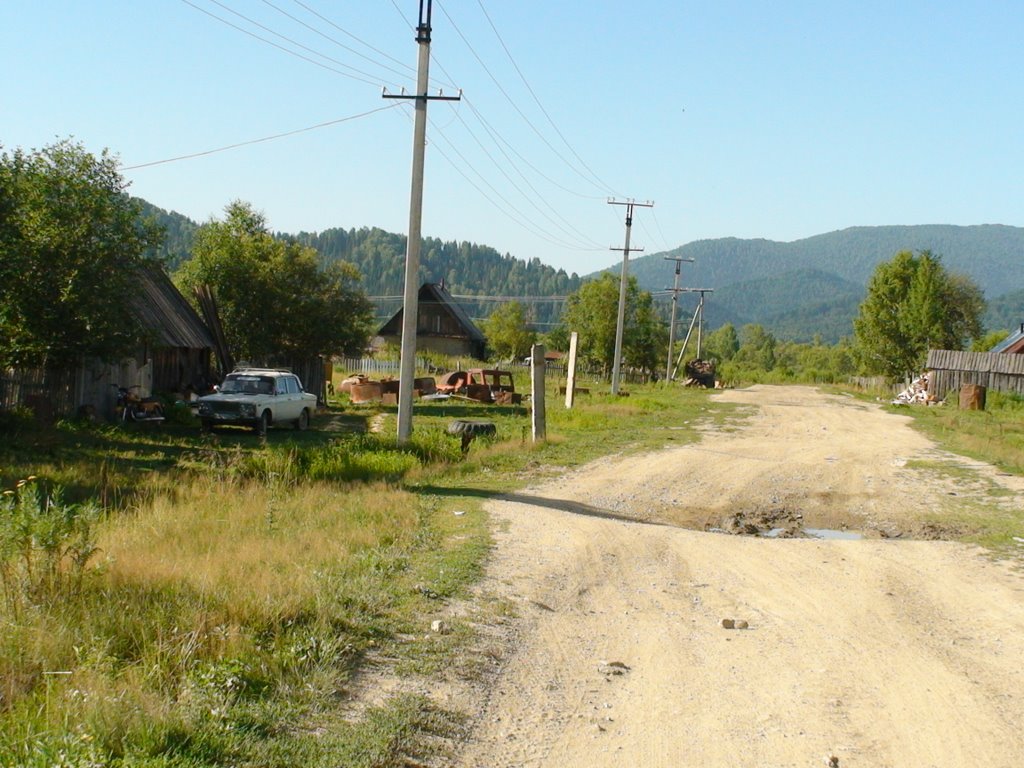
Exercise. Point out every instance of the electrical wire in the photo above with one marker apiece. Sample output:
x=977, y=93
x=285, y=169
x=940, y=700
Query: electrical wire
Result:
x=516, y=107
x=537, y=100
x=258, y=141
x=660, y=230
x=566, y=227
x=314, y=30
x=508, y=205
x=287, y=50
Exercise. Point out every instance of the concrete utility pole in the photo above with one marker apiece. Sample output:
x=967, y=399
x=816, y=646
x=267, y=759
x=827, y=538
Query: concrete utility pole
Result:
x=623, y=280
x=410, y=303
x=672, y=322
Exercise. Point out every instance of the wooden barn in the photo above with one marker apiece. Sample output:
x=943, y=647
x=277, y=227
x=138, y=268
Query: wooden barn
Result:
x=442, y=327
x=174, y=356
x=952, y=369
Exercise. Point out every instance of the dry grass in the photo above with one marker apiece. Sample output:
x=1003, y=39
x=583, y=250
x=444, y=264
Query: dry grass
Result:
x=249, y=545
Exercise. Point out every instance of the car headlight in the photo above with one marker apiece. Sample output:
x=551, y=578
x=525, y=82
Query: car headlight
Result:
x=247, y=409
x=205, y=409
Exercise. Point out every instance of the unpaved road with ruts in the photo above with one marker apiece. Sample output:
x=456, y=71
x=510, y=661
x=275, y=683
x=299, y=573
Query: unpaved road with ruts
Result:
x=897, y=649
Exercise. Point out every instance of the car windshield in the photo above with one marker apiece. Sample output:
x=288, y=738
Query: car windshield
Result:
x=249, y=385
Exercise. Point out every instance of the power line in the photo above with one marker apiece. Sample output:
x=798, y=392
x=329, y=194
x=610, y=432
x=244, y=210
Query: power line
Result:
x=537, y=100
x=287, y=50
x=411, y=70
x=546, y=236
x=338, y=43
x=496, y=137
x=516, y=106
x=258, y=141
x=565, y=226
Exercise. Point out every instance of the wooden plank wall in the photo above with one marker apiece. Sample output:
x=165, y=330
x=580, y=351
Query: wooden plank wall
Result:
x=951, y=369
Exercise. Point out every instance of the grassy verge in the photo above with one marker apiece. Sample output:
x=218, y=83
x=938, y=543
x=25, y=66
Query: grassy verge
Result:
x=995, y=436
x=225, y=590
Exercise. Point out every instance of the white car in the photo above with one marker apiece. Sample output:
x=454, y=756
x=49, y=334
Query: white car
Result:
x=258, y=398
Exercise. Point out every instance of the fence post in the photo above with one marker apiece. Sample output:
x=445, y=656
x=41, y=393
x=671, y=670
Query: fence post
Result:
x=570, y=377
x=537, y=392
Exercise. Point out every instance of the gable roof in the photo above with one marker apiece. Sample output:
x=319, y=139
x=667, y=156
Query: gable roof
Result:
x=433, y=293
x=1012, y=344
x=165, y=314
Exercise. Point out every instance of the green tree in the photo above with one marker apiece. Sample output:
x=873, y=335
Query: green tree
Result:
x=757, y=348
x=592, y=311
x=507, y=331
x=913, y=304
x=71, y=241
x=274, y=300
x=722, y=343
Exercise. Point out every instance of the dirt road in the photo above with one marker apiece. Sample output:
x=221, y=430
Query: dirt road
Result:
x=872, y=652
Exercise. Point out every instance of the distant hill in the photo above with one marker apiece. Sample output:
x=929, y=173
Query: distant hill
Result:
x=797, y=290
x=179, y=231
x=824, y=277
x=466, y=268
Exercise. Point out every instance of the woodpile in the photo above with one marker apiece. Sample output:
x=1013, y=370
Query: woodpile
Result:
x=700, y=373
x=916, y=393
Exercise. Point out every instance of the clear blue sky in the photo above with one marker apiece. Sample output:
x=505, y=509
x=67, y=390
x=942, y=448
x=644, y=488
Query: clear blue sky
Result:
x=776, y=120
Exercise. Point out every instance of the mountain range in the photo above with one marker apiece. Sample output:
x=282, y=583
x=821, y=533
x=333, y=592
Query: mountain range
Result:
x=813, y=286
x=797, y=290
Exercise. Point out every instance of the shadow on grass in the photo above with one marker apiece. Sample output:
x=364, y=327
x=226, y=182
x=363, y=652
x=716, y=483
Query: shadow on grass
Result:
x=562, y=505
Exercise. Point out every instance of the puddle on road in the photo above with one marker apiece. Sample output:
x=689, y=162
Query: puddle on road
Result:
x=813, y=533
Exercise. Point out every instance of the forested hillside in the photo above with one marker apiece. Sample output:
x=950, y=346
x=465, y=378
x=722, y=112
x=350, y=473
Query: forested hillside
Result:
x=179, y=231
x=796, y=290
x=465, y=268
x=813, y=286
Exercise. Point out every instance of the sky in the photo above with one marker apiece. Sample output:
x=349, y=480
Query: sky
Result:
x=737, y=119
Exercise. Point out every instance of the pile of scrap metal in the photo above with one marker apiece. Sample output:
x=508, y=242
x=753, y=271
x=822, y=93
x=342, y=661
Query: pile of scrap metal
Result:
x=916, y=393
x=480, y=384
x=700, y=373
x=361, y=389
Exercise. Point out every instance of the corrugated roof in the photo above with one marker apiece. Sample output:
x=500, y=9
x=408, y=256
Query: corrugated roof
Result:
x=164, y=312
x=954, y=360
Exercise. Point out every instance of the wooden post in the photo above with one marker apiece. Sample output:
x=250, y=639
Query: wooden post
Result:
x=537, y=392
x=570, y=374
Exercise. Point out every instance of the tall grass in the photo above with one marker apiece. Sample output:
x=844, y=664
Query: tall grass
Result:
x=238, y=585
x=207, y=617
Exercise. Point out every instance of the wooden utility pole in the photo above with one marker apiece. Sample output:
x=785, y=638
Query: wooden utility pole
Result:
x=672, y=322
x=410, y=303
x=620, y=323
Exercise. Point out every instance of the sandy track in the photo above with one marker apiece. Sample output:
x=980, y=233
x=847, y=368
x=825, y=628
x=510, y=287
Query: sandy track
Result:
x=874, y=652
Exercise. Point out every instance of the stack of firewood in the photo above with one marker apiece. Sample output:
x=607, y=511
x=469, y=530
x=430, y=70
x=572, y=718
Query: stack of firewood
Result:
x=700, y=373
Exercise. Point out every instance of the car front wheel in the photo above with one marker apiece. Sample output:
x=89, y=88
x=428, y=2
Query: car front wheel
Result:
x=262, y=423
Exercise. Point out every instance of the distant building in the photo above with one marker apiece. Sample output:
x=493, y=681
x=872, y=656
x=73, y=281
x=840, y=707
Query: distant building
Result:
x=442, y=326
x=1012, y=344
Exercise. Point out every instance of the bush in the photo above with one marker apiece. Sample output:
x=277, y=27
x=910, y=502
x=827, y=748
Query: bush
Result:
x=44, y=544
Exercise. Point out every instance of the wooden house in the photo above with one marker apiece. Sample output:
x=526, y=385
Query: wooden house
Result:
x=174, y=355
x=1012, y=344
x=442, y=326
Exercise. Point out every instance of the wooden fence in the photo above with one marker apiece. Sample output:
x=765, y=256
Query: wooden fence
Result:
x=47, y=393
x=951, y=369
